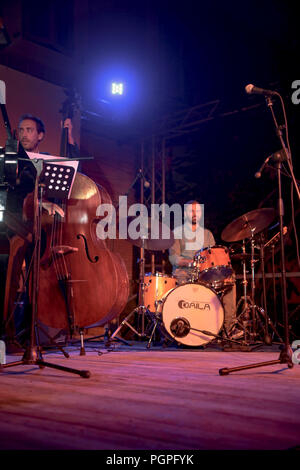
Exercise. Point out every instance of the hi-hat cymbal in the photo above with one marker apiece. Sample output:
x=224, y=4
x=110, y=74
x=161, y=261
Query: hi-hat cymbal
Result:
x=248, y=224
x=157, y=237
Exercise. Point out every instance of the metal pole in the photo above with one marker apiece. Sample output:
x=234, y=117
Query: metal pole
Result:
x=153, y=268
x=163, y=186
x=142, y=252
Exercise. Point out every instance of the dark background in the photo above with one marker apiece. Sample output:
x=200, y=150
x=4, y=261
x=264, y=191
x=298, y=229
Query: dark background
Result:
x=205, y=52
x=173, y=56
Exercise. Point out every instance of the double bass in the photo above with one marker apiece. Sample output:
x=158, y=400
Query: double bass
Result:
x=82, y=283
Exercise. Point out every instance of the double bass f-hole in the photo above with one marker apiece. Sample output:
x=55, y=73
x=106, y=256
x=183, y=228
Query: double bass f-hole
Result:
x=96, y=258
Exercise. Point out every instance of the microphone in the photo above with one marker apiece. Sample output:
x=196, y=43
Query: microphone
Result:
x=251, y=89
x=276, y=156
x=259, y=172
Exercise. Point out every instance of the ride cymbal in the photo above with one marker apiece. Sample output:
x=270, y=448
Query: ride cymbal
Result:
x=248, y=224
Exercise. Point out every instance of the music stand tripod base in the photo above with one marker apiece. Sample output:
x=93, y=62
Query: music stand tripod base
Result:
x=42, y=364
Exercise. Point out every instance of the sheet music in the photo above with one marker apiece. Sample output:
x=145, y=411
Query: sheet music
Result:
x=72, y=163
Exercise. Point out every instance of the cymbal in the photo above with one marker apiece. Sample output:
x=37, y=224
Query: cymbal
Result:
x=241, y=227
x=157, y=237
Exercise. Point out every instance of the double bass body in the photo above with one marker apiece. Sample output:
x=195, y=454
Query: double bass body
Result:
x=82, y=282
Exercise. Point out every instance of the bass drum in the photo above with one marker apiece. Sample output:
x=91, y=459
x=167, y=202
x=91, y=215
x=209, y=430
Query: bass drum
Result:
x=189, y=309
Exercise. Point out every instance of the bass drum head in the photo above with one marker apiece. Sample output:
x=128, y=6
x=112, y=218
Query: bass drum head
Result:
x=189, y=308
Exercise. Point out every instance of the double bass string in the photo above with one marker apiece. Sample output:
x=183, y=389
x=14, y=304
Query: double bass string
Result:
x=56, y=241
x=60, y=221
x=52, y=248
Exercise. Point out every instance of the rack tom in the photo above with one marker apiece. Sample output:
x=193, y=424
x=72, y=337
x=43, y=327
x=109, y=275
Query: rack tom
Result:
x=212, y=265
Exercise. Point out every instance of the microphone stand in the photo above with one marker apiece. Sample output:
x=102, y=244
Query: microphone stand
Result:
x=285, y=356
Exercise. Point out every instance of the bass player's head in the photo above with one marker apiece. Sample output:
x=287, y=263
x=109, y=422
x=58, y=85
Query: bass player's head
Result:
x=31, y=131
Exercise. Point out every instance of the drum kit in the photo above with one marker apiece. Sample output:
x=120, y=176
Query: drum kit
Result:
x=192, y=313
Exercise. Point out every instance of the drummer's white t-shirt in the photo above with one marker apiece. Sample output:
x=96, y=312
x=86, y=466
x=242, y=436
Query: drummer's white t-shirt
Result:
x=186, y=238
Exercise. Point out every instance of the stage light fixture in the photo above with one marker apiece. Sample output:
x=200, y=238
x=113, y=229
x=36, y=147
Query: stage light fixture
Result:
x=117, y=88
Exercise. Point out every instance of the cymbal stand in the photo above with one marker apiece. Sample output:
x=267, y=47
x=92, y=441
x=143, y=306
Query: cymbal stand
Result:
x=249, y=322
x=252, y=262
x=268, y=322
x=274, y=284
x=272, y=243
x=267, y=337
x=248, y=303
x=246, y=323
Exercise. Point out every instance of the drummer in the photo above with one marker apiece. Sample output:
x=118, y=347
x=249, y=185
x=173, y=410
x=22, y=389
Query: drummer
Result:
x=193, y=234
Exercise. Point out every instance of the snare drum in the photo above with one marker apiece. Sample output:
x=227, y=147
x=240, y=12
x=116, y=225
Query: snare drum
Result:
x=213, y=265
x=189, y=309
x=156, y=285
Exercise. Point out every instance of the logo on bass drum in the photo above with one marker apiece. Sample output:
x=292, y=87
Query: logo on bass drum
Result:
x=197, y=305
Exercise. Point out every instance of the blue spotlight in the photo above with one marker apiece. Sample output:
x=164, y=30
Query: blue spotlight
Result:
x=117, y=88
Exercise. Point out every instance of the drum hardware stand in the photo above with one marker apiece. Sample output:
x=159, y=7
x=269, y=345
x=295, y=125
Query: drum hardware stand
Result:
x=274, y=283
x=268, y=322
x=156, y=319
x=141, y=309
x=32, y=355
x=267, y=337
x=253, y=306
x=153, y=331
x=106, y=339
x=285, y=356
x=272, y=244
x=263, y=245
x=248, y=324
x=248, y=302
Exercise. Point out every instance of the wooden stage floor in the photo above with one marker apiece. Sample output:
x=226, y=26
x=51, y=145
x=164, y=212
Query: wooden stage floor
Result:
x=151, y=399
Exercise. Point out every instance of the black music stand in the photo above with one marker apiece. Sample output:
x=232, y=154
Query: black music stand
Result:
x=285, y=356
x=52, y=180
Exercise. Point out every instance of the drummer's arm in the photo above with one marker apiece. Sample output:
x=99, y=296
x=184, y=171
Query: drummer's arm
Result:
x=211, y=240
x=175, y=255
